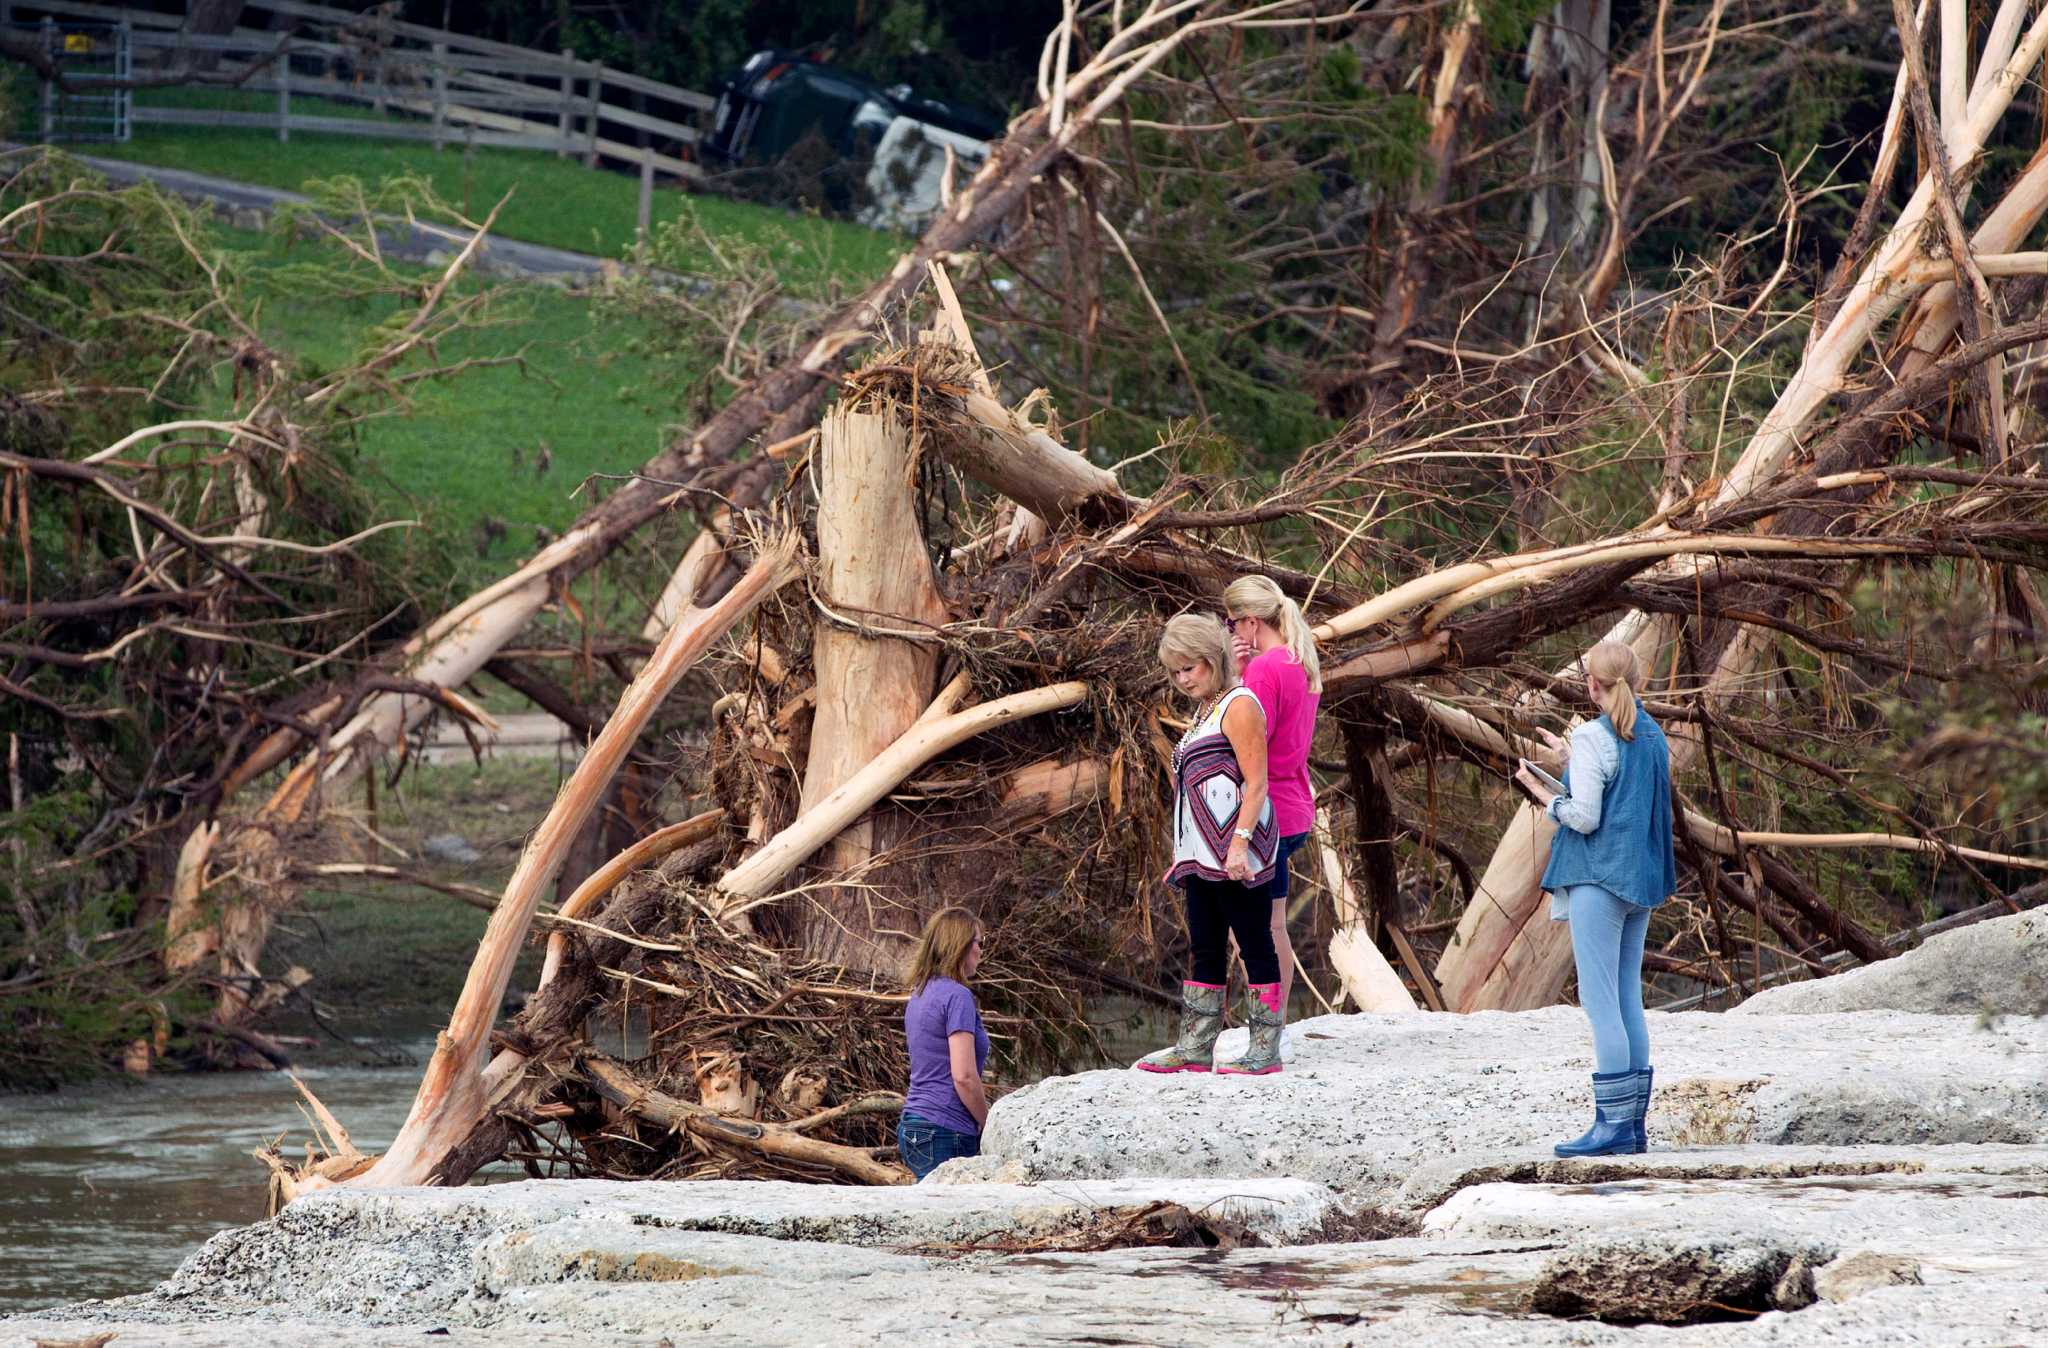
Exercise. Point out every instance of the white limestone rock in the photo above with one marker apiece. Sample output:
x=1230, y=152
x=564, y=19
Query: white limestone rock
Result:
x=1667, y=1277
x=397, y=1253
x=1433, y=1183
x=1942, y=1217
x=1390, y=1294
x=1852, y=1275
x=1815, y=1161
x=1996, y=967
x=1369, y=1099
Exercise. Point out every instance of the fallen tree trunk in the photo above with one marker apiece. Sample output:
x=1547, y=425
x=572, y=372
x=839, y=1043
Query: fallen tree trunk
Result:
x=618, y=1087
x=456, y=645
x=1362, y=971
x=1506, y=958
x=451, y=1099
x=938, y=730
x=875, y=658
x=1053, y=786
x=605, y=878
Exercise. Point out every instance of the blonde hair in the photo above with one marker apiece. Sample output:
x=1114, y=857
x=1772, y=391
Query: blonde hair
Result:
x=1258, y=597
x=1192, y=637
x=942, y=950
x=1614, y=664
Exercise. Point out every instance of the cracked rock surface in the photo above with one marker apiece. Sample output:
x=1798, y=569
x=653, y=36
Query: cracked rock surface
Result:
x=1841, y=1177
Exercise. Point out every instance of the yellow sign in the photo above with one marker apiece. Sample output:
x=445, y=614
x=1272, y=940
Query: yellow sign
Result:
x=77, y=42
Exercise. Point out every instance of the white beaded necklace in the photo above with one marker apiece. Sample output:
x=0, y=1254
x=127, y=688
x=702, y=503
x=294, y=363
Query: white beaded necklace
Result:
x=1201, y=714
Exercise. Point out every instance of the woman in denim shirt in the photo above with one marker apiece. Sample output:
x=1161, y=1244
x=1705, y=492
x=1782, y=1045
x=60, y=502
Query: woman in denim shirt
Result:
x=1610, y=865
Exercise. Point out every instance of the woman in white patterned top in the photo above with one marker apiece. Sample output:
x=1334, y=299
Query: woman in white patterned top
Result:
x=1224, y=842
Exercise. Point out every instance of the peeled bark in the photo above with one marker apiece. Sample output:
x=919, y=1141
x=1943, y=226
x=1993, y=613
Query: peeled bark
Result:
x=1036, y=471
x=937, y=731
x=452, y=1098
x=700, y=561
x=872, y=684
x=189, y=938
x=1054, y=785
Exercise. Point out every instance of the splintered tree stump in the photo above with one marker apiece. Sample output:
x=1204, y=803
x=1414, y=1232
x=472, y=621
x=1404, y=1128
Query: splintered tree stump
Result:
x=875, y=657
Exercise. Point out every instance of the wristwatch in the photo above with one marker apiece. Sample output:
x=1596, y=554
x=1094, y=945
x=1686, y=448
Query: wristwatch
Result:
x=1244, y=833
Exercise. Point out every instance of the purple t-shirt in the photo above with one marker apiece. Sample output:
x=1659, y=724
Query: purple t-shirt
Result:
x=1277, y=679
x=936, y=1011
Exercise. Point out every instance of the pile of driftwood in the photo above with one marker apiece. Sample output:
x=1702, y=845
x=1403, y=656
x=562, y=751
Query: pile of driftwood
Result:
x=926, y=705
x=928, y=623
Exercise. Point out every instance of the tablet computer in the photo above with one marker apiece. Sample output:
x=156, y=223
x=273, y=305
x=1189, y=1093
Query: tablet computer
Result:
x=1545, y=778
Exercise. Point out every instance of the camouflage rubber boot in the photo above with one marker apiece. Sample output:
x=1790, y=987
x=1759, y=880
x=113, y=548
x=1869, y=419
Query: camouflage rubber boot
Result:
x=1201, y=1020
x=1263, y=1014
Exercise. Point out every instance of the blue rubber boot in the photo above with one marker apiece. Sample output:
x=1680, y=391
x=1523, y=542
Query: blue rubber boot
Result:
x=1614, y=1126
x=1642, y=1109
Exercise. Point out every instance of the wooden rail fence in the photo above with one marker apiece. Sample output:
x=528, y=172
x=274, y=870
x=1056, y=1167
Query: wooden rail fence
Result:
x=443, y=87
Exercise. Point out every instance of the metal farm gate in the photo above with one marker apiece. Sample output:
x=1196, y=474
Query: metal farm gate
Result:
x=82, y=51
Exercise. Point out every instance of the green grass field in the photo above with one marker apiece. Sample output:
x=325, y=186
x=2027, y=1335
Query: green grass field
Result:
x=489, y=459
x=490, y=456
x=553, y=201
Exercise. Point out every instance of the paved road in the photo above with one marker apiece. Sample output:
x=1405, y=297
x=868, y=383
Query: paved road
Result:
x=410, y=242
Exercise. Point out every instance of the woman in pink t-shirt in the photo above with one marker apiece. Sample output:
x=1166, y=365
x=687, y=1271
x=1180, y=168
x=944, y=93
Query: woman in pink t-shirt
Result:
x=1278, y=655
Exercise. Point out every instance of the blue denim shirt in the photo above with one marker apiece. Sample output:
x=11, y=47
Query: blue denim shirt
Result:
x=1628, y=850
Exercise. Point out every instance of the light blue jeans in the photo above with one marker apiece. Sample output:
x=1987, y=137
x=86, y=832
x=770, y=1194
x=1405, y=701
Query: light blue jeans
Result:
x=1607, y=943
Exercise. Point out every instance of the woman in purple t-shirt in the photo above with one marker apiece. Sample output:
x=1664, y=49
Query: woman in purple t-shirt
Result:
x=946, y=1105
x=1277, y=652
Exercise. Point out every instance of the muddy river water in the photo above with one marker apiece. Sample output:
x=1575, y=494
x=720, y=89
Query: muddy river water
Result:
x=105, y=1188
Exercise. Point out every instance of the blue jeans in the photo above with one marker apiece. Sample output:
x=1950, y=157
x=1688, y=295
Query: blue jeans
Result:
x=924, y=1144
x=1276, y=888
x=1607, y=943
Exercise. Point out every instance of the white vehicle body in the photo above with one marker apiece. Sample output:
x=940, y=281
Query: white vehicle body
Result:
x=909, y=167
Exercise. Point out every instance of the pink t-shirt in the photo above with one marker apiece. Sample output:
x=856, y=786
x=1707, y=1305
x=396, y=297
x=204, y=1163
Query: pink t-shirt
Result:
x=1277, y=680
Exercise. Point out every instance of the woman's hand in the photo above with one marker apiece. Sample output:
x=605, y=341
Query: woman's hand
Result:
x=1536, y=787
x=1555, y=753
x=1237, y=864
x=1241, y=647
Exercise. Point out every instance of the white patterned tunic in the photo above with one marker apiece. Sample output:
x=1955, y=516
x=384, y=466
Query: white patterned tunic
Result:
x=1208, y=789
